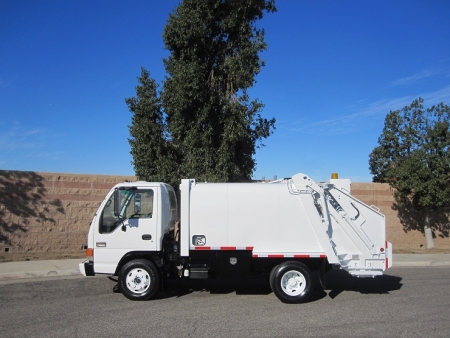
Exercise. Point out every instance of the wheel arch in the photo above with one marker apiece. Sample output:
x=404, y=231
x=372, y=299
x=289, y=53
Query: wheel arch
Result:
x=313, y=263
x=151, y=256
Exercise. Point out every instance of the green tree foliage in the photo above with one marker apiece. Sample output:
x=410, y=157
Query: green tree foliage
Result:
x=153, y=158
x=214, y=47
x=413, y=157
x=203, y=124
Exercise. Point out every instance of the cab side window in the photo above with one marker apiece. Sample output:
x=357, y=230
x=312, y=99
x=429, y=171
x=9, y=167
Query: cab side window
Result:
x=133, y=204
x=140, y=204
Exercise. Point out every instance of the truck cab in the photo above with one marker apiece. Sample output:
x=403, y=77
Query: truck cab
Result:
x=131, y=221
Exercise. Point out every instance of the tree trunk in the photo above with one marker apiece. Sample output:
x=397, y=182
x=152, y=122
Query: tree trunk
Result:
x=428, y=232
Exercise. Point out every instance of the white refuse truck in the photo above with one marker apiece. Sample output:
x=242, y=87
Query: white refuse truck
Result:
x=284, y=230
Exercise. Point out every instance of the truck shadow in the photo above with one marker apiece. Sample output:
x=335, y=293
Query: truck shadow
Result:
x=338, y=281
x=240, y=286
x=182, y=287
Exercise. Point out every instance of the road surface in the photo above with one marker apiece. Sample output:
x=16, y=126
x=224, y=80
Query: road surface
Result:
x=407, y=302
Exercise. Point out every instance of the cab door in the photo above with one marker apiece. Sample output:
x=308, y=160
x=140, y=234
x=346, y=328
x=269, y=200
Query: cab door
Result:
x=132, y=228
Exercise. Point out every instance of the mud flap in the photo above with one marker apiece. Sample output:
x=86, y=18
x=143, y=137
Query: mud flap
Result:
x=324, y=267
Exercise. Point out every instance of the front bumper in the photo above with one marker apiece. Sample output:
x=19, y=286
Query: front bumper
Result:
x=86, y=268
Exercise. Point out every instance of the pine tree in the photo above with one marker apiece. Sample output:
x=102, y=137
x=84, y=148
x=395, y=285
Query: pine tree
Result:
x=153, y=158
x=214, y=58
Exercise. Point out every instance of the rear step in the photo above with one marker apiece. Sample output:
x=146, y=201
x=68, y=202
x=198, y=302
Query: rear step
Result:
x=198, y=271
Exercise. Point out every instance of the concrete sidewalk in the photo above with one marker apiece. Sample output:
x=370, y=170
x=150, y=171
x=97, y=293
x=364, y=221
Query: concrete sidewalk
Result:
x=39, y=269
x=69, y=267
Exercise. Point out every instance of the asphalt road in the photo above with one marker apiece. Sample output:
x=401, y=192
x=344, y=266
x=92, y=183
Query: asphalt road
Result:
x=407, y=302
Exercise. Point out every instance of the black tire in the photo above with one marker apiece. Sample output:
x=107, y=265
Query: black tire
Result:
x=139, y=280
x=292, y=282
x=272, y=272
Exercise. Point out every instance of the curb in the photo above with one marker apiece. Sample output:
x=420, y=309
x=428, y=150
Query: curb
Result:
x=37, y=274
x=421, y=260
x=39, y=269
x=420, y=264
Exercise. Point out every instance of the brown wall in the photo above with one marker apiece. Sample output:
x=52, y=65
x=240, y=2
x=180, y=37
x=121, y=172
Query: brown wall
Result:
x=43, y=212
x=405, y=233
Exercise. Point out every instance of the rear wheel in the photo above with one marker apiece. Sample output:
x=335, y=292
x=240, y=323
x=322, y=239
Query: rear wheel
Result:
x=139, y=279
x=291, y=282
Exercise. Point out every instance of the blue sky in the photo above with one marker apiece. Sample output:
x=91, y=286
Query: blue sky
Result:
x=334, y=69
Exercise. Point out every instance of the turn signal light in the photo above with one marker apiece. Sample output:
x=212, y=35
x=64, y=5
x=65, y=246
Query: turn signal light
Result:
x=89, y=252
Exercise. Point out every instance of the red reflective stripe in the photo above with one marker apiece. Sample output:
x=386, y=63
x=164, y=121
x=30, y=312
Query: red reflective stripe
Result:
x=387, y=259
x=291, y=256
x=230, y=248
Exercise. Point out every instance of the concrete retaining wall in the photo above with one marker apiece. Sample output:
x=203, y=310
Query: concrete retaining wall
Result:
x=405, y=233
x=43, y=212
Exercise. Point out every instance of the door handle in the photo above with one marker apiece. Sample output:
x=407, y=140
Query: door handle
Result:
x=146, y=237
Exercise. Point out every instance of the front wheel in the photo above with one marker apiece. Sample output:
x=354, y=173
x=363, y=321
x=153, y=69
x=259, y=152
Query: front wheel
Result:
x=139, y=280
x=292, y=282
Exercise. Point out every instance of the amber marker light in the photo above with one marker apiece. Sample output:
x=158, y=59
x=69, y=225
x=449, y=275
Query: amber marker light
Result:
x=89, y=252
x=334, y=176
